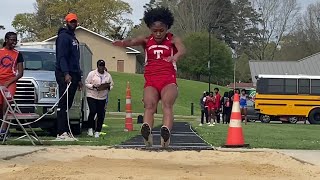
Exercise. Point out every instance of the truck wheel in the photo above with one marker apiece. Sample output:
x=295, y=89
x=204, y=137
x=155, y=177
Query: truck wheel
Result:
x=314, y=116
x=265, y=118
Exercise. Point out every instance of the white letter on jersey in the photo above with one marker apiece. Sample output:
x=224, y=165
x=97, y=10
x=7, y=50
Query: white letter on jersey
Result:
x=158, y=53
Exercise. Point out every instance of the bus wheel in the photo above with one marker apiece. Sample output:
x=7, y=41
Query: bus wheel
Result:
x=265, y=118
x=293, y=120
x=314, y=116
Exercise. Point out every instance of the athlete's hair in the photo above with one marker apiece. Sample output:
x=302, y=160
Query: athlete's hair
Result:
x=161, y=14
x=8, y=34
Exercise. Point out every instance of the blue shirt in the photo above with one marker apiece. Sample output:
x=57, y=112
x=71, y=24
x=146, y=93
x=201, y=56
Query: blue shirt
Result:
x=243, y=100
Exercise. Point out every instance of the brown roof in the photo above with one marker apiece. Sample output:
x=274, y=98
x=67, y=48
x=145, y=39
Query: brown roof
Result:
x=241, y=85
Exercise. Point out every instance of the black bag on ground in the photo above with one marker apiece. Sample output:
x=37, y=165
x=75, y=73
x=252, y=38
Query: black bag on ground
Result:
x=140, y=119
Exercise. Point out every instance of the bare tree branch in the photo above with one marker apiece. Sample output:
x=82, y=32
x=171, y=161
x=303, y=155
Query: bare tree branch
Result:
x=277, y=20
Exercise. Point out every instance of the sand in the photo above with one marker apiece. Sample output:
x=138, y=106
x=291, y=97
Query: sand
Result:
x=95, y=163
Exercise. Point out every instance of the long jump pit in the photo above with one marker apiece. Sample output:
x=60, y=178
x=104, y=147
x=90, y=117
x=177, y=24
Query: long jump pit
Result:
x=86, y=163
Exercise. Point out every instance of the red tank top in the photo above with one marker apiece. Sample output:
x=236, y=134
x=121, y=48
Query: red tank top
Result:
x=155, y=55
x=210, y=101
x=8, y=63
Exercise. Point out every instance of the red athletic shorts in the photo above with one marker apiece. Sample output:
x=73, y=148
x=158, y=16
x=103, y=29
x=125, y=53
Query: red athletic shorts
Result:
x=159, y=82
x=12, y=90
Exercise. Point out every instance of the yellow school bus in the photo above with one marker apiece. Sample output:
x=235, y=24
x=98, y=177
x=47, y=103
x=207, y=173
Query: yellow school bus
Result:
x=289, y=97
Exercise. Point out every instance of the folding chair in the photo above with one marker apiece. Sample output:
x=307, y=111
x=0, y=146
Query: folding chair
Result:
x=13, y=113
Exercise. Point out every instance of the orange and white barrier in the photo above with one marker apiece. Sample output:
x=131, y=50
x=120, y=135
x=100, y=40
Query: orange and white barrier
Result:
x=128, y=123
x=235, y=136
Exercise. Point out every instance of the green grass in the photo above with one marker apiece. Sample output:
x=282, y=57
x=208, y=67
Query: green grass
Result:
x=259, y=135
x=115, y=135
x=189, y=92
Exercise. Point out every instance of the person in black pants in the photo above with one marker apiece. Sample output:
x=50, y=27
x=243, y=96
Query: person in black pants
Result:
x=204, y=110
x=98, y=83
x=227, y=106
x=67, y=71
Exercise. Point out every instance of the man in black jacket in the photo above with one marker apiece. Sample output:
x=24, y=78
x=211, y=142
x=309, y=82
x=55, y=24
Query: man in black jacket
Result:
x=204, y=109
x=67, y=71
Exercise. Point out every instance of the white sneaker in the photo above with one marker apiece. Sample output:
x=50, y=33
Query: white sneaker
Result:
x=211, y=125
x=96, y=134
x=90, y=132
x=200, y=124
x=64, y=137
x=208, y=123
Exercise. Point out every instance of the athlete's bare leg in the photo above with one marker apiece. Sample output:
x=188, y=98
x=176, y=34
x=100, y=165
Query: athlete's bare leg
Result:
x=245, y=115
x=150, y=99
x=169, y=95
x=3, y=109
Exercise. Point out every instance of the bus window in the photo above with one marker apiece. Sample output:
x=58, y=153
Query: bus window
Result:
x=304, y=86
x=315, y=86
x=262, y=85
x=290, y=86
x=275, y=86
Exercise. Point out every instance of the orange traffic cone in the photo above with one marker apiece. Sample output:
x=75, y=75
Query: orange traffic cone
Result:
x=128, y=123
x=235, y=135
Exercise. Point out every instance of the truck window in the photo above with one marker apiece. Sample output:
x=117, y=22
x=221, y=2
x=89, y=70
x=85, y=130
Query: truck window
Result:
x=39, y=60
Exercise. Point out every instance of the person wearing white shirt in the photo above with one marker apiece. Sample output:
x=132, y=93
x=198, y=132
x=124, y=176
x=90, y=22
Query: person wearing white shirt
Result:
x=98, y=83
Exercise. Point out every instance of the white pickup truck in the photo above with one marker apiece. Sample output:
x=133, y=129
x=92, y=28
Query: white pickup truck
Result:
x=37, y=90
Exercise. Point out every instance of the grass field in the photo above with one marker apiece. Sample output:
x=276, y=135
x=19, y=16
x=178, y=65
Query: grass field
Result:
x=189, y=92
x=258, y=135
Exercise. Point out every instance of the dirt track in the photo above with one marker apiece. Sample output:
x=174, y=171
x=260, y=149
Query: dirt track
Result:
x=87, y=163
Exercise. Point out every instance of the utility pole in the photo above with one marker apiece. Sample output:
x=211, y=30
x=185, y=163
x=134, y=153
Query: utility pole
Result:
x=209, y=61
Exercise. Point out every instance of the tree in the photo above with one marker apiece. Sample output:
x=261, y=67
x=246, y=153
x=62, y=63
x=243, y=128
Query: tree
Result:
x=197, y=15
x=101, y=16
x=304, y=39
x=246, y=21
x=277, y=20
x=195, y=62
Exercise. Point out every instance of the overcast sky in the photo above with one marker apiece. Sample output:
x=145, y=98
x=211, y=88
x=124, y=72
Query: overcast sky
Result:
x=9, y=8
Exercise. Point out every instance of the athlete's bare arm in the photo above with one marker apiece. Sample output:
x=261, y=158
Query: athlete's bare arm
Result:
x=18, y=76
x=138, y=41
x=180, y=47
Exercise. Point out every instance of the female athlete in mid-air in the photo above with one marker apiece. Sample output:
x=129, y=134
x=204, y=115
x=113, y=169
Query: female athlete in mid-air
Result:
x=162, y=51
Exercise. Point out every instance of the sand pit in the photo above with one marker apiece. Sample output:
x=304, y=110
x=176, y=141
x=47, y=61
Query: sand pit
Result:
x=97, y=163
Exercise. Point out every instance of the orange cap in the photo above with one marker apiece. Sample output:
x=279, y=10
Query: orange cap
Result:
x=71, y=17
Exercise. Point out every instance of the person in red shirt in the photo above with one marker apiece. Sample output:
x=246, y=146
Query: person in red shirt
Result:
x=217, y=104
x=162, y=51
x=211, y=103
x=11, y=69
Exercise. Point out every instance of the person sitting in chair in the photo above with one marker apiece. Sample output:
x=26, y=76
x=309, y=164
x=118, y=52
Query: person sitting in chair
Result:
x=11, y=70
